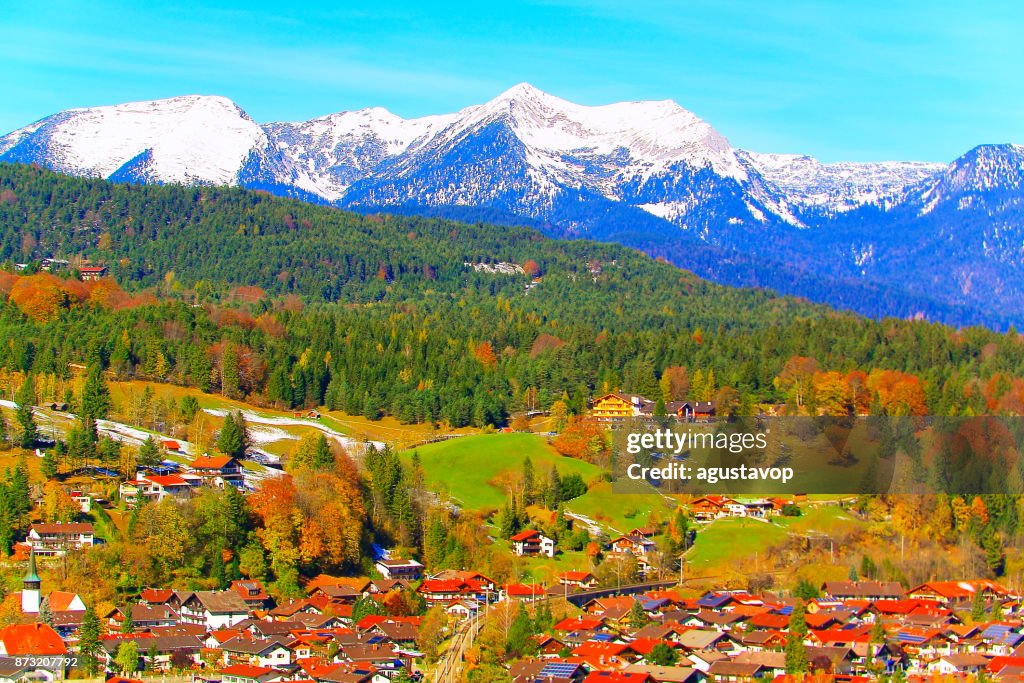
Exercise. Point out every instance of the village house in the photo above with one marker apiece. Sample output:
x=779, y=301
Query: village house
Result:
x=960, y=594
x=92, y=273
x=524, y=592
x=258, y=652
x=214, y=609
x=531, y=543
x=218, y=471
x=408, y=570
x=35, y=640
x=638, y=546
x=613, y=409
x=83, y=500
x=156, y=487
x=248, y=673
x=863, y=590
x=58, y=538
x=252, y=593
x=577, y=580
x=691, y=411
x=707, y=508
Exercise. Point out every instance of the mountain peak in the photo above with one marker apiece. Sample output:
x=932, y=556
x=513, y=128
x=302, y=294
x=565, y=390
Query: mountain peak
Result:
x=522, y=91
x=984, y=168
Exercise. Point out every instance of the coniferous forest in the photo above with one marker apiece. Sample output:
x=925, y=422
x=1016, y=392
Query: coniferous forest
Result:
x=287, y=303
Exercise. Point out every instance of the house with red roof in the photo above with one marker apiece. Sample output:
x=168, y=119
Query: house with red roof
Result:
x=156, y=487
x=618, y=677
x=252, y=593
x=447, y=591
x=248, y=673
x=217, y=470
x=526, y=592
x=960, y=593
x=711, y=507
x=36, y=639
x=57, y=539
x=578, y=580
x=531, y=543
x=92, y=273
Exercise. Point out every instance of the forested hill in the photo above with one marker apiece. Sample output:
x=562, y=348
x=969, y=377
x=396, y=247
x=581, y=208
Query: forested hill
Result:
x=210, y=240
x=306, y=305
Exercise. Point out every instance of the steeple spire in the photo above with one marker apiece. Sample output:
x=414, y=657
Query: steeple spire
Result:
x=32, y=575
x=30, y=586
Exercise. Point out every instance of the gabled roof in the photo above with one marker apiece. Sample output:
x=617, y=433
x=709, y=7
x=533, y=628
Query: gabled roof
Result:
x=525, y=590
x=246, y=671
x=222, y=602
x=31, y=639
x=68, y=529
x=60, y=601
x=156, y=596
x=166, y=480
x=211, y=462
x=956, y=590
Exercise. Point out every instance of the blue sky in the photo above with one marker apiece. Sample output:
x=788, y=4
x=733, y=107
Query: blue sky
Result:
x=862, y=80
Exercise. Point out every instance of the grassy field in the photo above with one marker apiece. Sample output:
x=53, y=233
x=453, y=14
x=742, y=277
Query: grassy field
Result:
x=470, y=468
x=732, y=542
x=619, y=511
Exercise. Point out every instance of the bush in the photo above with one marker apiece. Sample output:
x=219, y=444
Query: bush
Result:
x=791, y=510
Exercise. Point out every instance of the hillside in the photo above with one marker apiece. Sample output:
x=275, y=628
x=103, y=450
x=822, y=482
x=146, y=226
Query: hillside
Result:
x=291, y=304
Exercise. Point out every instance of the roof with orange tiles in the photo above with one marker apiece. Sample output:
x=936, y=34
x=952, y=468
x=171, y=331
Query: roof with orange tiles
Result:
x=579, y=624
x=246, y=671
x=31, y=639
x=211, y=462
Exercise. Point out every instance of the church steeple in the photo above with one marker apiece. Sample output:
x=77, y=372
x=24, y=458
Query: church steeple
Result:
x=30, y=586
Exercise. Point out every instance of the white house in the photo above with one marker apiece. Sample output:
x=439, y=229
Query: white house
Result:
x=532, y=542
x=57, y=539
x=214, y=609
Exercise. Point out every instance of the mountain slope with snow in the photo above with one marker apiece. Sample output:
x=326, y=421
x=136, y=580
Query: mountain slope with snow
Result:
x=648, y=174
x=192, y=139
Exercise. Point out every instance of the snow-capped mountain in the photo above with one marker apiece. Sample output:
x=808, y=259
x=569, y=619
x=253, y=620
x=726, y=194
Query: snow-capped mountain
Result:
x=809, y=184
x=189, y=139
x=649, y=174
x=525, y=151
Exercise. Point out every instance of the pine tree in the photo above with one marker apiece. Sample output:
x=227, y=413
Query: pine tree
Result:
x=189, y=407
x=4, y=436
x=46, y=612
x=637, y=616
x=20, y=494
x=554, y=489
x=796, y=655
x=89, y=641
x=28, y=433
x=95, y=395
x=322, y=458
x=128, y=623
x=528, y=482
x=49, y=465
x=520, y=640
x=978, y=607
x=150, y=453
x=232, y=438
